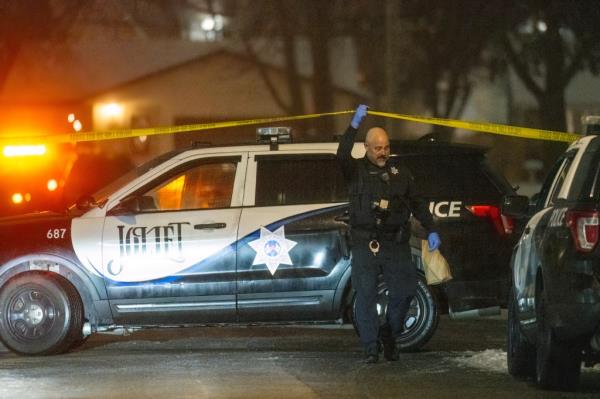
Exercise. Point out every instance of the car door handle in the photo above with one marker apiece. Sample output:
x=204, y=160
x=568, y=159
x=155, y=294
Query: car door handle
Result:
x=345, y=218
x=208, y=226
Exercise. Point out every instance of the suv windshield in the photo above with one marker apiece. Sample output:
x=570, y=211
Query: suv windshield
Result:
x=103, y=193
x=447, y=175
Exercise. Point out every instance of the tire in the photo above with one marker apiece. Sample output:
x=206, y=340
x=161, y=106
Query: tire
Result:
x=558, y=363
x=78, y=341
x=421, y=319
x=520, y=355
x=40, y=314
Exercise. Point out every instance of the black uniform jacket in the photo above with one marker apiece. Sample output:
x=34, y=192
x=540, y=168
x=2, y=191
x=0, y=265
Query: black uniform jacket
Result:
x=369, y=184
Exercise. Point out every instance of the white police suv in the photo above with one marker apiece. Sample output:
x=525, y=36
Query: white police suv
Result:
x=245, y=234
x=554, y=306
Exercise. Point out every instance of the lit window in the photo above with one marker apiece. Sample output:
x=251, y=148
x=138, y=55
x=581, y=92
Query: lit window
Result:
x=204, y=27
x=111, y=110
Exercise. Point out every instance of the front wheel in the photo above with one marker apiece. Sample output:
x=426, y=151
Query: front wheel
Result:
x=39, y=314
x=421, y=319
x=520, y=354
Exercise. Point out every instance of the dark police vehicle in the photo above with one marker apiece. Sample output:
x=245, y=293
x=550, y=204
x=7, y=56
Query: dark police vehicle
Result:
x=243, y=234
x=554, y=306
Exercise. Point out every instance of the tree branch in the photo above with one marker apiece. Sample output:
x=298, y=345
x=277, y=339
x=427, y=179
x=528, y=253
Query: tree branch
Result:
x=262, y=70
x=7, y=59
x=464, y=95
x=450, y=93
x=520, y=68
x=574, y=67
x=291, y=71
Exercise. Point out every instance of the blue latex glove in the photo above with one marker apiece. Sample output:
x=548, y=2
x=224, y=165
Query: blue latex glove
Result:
x=359, y=115
x=433, y=239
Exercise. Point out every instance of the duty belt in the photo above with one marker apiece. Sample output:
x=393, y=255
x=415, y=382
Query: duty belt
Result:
x=375, y=234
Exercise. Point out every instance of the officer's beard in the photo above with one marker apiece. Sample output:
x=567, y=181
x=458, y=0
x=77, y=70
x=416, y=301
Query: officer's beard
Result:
x=381, y=161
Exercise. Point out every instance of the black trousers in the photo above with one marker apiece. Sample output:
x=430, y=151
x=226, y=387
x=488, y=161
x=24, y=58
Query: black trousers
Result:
x=394, y=262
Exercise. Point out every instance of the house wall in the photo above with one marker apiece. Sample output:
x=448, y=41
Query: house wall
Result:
x=218, y=87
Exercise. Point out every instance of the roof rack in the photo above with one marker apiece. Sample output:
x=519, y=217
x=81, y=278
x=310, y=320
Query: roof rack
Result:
x=201, y=144
x=591, y=125
x=431, y=137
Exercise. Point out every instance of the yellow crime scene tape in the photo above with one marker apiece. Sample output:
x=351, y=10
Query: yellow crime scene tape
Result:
x=494, y=128
x=152, y=131
x=505, y=130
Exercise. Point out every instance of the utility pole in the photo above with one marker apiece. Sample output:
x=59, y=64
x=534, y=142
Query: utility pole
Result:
x=391, y=58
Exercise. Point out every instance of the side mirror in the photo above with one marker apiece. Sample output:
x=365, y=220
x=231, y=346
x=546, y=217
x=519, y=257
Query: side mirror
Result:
x=534, y=199
x=133, y=204
x=515, y=206
x=126, y=206
x=85, y=203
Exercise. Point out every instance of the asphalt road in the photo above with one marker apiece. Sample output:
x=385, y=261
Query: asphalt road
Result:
x=465, y=359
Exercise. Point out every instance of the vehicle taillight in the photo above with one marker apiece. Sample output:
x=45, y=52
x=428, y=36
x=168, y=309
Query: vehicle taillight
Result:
x=503, y=224
x=584, y=226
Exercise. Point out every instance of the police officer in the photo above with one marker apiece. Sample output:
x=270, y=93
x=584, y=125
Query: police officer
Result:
x=382, y=198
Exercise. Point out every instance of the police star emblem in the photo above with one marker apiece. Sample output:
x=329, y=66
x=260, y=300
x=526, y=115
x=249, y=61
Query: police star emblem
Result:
x=272, y=249
x=394, y=170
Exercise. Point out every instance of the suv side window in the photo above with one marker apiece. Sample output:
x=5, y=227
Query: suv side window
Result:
x=586, y=180
x=450, y=176
x=299, y=179
x=539, y=199
x=206, y=185
x=560, y=178
x=595, y=189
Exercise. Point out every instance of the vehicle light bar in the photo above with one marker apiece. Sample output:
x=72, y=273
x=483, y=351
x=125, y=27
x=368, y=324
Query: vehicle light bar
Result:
x=24, y=150
x=591, y=124
x=274, y=135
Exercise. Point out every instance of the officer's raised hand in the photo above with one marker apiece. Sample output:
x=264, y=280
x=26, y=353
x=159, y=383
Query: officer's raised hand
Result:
x=359, y=115
x=433, y=239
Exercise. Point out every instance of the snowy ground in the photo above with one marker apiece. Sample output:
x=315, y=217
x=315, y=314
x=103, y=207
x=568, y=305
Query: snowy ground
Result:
x=493, y=360
x=464, y=359
x=488, y=360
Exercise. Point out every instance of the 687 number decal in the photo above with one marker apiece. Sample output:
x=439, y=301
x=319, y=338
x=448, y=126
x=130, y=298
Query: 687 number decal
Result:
x=55, y=234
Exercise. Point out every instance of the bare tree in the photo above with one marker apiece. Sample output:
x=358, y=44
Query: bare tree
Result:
x=318, y=19
x=48, y=22
x=549, y=42
x=26, y=22
x=448, y=40
x=271, y=23
x=425, y=51
x=155, y=18
x=285, y=22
